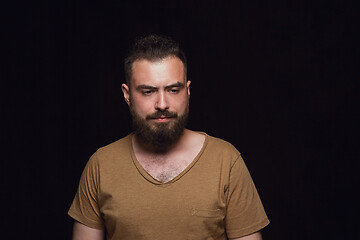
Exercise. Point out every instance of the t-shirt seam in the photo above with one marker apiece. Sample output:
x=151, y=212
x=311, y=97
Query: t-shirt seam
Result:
x=236, y=233
x=84, y=220
x=229, y=182
x=235, y=161
x=231, y=168
x=98, y=184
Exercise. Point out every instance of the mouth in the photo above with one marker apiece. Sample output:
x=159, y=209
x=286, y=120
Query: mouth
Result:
x=162, y=116
x=161, y=119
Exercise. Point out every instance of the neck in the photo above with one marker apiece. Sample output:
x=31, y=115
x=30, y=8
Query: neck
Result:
x=149, y=148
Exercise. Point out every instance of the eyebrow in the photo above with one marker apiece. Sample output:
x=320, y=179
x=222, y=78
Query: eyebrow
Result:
x=144, y=86
x=178, y=84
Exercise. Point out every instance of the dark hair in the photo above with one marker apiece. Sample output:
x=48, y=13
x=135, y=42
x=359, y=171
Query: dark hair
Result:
x=153, y=48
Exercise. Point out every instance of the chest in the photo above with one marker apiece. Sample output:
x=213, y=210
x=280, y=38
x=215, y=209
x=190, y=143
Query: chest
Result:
x=165, y=168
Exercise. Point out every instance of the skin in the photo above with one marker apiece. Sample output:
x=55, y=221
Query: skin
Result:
x=156, y=86
x=82, y=232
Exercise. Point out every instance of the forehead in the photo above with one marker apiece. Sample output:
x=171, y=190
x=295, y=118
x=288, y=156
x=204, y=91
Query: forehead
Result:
x=164, y=71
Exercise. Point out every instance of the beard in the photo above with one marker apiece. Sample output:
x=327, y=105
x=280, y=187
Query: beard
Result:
x=160, y=136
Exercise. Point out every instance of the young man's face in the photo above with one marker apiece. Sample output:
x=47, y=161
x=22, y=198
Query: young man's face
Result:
x=159, y=99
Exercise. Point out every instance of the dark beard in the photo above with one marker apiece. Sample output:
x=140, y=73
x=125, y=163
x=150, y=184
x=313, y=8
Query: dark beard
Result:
x=160, y=136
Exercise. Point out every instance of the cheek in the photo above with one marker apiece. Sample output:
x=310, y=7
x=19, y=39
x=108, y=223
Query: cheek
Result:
x=142, y=105
x=181, y=104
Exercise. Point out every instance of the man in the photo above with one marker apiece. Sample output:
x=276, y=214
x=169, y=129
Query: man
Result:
x=164, y=181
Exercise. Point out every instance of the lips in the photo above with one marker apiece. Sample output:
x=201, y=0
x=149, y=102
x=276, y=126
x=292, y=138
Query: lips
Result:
x=162, y=119
x=165, y=115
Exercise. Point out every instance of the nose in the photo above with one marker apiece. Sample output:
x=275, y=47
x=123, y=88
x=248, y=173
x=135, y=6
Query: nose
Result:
x=161, y=103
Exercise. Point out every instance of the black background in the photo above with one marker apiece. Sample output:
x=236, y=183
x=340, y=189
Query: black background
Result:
x=275, y=78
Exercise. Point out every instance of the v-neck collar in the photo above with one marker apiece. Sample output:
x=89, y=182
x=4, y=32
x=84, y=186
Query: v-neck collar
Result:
x=152, y=180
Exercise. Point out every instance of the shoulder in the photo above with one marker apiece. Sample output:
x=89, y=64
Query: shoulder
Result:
x=114, y=151
x=119, y=145
x=221, y=149
x=220, y=144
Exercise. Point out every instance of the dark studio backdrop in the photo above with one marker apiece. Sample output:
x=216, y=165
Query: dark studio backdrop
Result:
x=275, y=78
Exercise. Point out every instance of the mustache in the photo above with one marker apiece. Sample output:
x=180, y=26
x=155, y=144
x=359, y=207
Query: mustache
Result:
x=162, y=113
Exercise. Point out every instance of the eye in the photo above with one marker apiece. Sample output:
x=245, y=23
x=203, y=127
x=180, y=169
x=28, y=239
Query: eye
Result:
x=147, y=92
x=174, y=90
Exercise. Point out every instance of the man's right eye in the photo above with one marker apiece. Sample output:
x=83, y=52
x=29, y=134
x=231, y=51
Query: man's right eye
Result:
x=147, y=92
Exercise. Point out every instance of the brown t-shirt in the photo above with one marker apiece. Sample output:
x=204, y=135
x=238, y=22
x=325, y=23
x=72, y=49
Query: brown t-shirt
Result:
x=213, y=198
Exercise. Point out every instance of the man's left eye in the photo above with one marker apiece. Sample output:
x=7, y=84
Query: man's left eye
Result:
x=174, y=90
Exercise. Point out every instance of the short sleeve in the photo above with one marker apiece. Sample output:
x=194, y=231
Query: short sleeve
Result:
x=85, y=206
x=245, y=212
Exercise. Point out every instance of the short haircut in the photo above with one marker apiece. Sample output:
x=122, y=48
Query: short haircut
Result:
x=153, y=48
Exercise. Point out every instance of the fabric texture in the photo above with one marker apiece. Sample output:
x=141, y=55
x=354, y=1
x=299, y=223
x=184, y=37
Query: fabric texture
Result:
x=213, y=198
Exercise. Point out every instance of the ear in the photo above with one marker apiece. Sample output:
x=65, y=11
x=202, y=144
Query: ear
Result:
x=188, y=87
x=126, y=91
